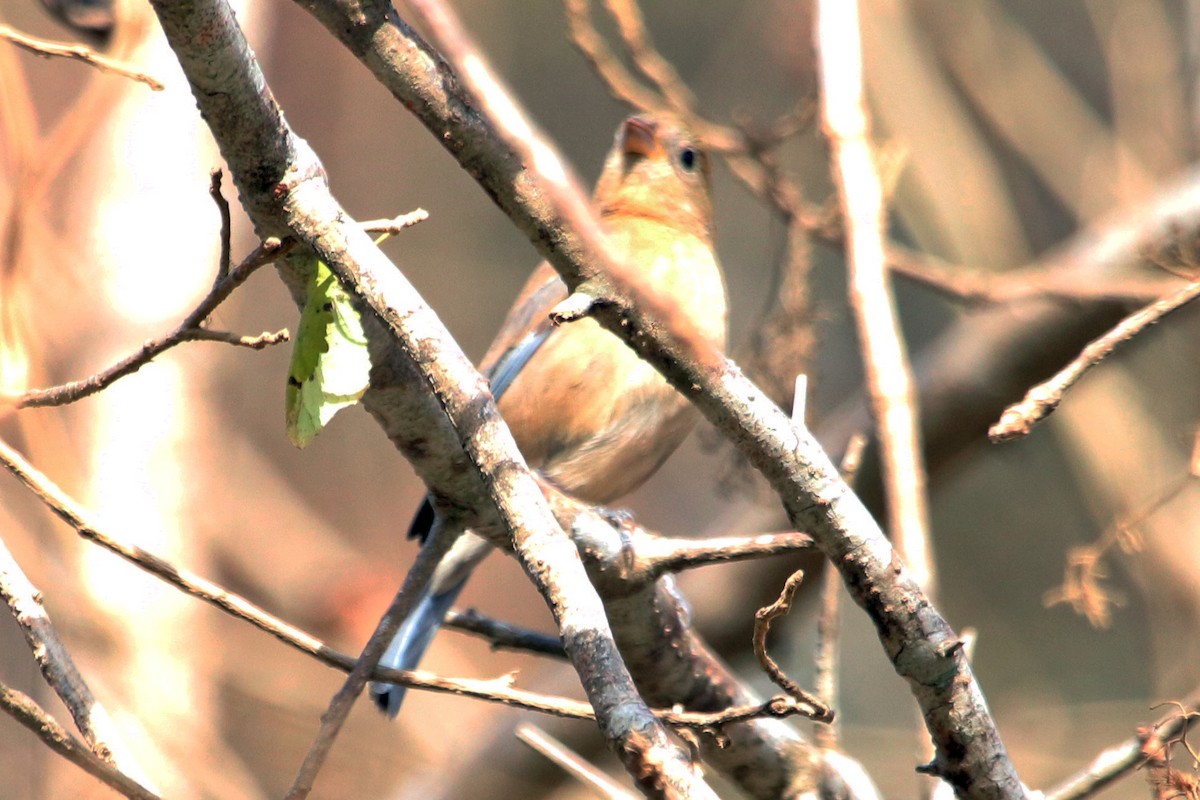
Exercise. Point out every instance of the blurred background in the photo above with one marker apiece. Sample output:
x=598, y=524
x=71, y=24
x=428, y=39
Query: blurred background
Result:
x=1018, y=123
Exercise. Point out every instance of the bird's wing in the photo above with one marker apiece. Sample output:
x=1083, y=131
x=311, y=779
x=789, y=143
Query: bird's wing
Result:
x=524, y=331
x=525, y=328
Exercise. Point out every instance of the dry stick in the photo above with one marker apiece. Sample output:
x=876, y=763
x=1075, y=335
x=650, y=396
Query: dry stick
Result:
x=46, y=49
x=224, y=263
x=23, y=709
x=498, y=691
x=1018, y=419
x=762, y=624
x=58, y=668
x=572, y=762
x=1119, y=760
x=920, y=644
x=189, y=330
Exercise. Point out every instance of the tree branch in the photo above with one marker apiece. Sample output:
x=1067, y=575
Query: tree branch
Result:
x=1040, y=401
x=191, y=329
x=22, y=708
x=58, y=668
x=46, y=49
x=885, y=359
x=1119, y=760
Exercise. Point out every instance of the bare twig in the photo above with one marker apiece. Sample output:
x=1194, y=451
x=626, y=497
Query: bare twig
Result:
x=1019, y=419
x=1119, y=760
x=393, y=226
x=58, y=668
x=23, y=709
x=497, y=691
x=572, y=762
x=504, y=636
x=889, y=376
x=191, y=329
x=259, y=342
x=974, y=286
x=46, y=49
x=224, y=263
x=762, y=624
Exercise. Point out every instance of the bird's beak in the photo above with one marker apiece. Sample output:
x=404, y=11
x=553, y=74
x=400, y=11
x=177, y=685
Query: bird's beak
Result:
x=638, y=138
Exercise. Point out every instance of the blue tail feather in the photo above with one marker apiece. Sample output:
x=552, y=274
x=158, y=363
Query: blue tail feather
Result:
x=410, y=643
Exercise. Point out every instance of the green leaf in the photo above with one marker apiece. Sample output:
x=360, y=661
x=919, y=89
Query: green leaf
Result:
x=330, y=365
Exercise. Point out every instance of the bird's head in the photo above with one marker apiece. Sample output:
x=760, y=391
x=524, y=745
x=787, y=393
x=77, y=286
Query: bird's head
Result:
x=657, y=170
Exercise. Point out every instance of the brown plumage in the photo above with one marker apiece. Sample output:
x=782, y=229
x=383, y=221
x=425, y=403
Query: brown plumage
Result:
x=585, y=410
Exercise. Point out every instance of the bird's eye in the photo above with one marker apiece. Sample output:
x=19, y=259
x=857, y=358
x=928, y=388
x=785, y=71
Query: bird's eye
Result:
x=688, y=158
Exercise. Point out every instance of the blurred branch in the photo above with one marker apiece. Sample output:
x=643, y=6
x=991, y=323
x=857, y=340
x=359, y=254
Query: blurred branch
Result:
x=888, y=375
x=47, y=49
x=501, y=150
x=571, y=761
x=992, y=355
x=828, y=623
x=1040, y=401
x=1119, y=760
x=23, y=709
x=58, y=668
x=969, y=285
x=191, y=329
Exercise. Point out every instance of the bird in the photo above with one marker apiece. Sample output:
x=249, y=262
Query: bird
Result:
x=586, y=412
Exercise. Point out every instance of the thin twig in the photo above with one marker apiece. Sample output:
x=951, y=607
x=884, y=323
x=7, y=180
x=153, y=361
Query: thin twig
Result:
x=496, y=691
x=46, y=49
x=888, y=373
x=23, y=709
x=1121, y=759
x=58, y=668
x=974, y=285
x=762, y=624
x=190, y=329
x=393, y=226
x=572, y=762
x=259, y=342
x=503, y=635
x=1019, y=419
x=224, y=263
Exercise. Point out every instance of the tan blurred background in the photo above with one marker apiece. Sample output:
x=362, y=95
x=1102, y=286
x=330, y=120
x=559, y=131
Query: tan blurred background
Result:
x=1020, y=121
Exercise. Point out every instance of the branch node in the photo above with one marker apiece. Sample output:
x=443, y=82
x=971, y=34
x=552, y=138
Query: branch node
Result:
x=577, y=306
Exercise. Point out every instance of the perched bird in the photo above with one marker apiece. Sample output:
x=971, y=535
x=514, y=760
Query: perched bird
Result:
x=586, y=411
